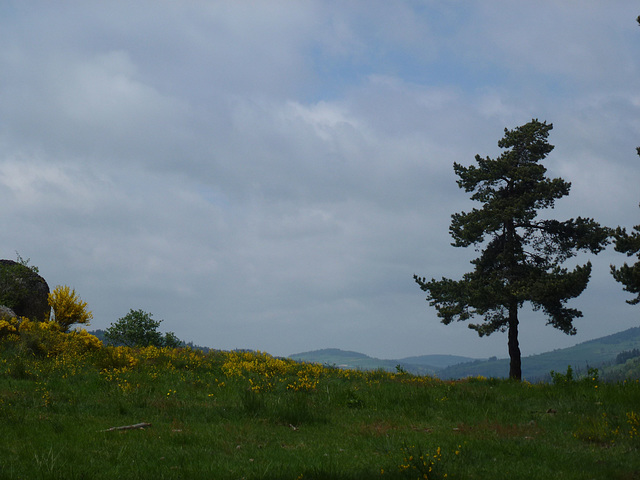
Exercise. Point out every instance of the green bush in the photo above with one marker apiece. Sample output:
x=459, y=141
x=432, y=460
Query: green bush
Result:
x=139, y=329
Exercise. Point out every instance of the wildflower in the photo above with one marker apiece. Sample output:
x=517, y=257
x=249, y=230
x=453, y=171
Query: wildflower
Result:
x=68, y=308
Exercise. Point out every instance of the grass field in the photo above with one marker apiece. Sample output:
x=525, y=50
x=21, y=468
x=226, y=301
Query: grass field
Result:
x=233, y=415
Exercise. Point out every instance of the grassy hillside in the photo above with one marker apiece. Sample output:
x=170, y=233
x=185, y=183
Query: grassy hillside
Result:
x=593, y=353
x=74, y=410
x=620, y=372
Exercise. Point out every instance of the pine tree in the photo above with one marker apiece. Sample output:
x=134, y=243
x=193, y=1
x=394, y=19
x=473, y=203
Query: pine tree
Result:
x=628, y=275
x=522, y=255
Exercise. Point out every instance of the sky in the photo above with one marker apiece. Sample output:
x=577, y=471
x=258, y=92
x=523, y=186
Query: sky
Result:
x=271, y=174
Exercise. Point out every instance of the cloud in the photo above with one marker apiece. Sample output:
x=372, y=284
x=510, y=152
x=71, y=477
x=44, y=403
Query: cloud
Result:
x=271, y=175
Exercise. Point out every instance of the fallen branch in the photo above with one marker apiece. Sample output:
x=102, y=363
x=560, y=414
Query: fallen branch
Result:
x=128, y=427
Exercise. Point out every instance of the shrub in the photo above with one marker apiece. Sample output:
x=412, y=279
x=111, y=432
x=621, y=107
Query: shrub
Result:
x=119, y=358
x=562, y=378
x=45, y=339
x=171, y=340
x=139, y=329
x=68, y=307
x=8, y=327
x=83, y=340
x=41, y=339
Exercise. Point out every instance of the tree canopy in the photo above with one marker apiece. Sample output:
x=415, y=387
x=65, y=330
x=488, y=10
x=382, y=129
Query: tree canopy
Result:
x=522, y=254
x=139, y=329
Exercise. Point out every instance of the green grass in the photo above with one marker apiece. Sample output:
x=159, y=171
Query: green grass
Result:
x=231, y=416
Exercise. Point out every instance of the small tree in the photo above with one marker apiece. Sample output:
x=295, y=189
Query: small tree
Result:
x=170, y=340
x=522, y=258
x=68, y=308
x=138, y=329
x=628, y=275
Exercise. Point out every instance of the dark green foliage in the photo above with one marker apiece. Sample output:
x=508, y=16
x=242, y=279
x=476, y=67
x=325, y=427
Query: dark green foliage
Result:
x=562, y=378
x=628, y=275
x=624, y=371
x=522, y=256
x=138, y=328
x=622, y=357
x=171, y=340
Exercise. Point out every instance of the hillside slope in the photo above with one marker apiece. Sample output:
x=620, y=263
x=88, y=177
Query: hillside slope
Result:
x=598, y=353
x=420, y=365
x=592, y=353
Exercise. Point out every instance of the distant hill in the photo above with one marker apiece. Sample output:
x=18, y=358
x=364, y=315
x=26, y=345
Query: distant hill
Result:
x=421, y=365
x=600, y=353
x=438, y=361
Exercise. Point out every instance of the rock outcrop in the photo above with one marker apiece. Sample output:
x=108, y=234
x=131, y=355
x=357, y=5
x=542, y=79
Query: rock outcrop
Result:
x=24, y=291
x=6, y=313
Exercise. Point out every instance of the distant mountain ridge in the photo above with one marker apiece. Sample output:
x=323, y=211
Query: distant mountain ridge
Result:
x=600, y=353
x=419, y=365
x=597, y=353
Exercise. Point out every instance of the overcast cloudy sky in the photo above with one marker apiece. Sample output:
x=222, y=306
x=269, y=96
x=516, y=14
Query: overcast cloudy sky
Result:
x=271, y=174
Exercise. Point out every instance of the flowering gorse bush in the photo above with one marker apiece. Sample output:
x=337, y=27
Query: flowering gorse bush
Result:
x=264, y=372
x=8, y=327
x=308, y=377
x=633, y=420
x=68, y=308
x=46, y=339
x=112, y=358
x=243, y=364
x=419, y=465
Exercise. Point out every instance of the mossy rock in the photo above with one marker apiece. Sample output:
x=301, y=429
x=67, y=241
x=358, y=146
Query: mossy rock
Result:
x=24, y=291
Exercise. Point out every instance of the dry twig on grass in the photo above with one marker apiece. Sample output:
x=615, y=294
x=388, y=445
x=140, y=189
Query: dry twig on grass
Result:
x=139, y=426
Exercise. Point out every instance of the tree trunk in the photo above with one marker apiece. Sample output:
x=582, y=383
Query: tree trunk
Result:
x=515, y=367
